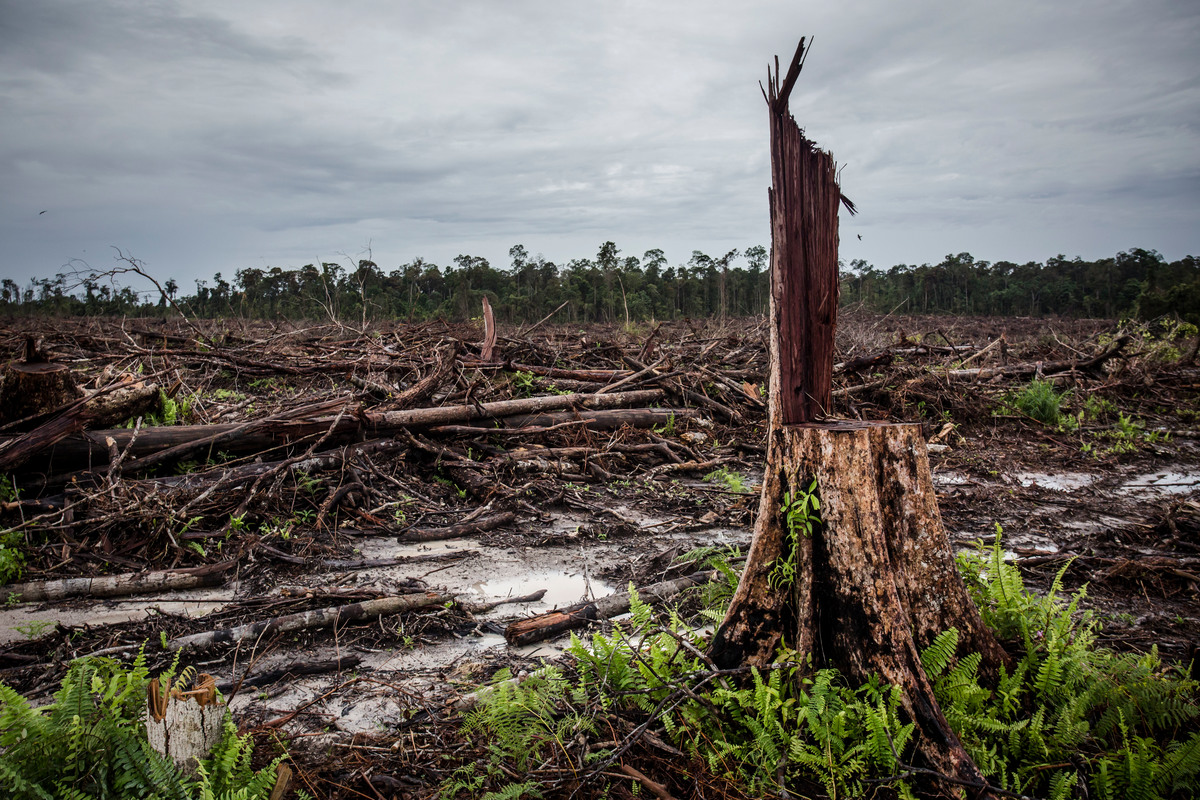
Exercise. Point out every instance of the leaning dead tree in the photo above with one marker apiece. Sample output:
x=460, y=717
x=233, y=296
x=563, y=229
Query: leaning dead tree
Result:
x=869, y=580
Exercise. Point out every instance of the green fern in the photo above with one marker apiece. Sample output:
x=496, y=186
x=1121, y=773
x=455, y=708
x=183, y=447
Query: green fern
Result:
x=801, y=519
x=90, y=743
x=1069, y=713
x=515, y=791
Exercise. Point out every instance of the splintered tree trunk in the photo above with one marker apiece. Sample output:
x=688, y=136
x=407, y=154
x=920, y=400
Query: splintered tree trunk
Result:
x=876, y=581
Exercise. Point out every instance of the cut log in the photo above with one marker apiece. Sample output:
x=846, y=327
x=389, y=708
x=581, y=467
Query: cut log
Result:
x=300, y=425
x=554, y=623
x=321, y=618
x=122, y=403
x=531, y=424
x=446, y=415
x=122, y=585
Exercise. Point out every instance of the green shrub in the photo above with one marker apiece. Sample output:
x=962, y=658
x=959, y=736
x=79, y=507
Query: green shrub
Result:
x=1069, y=712
x=733, y=481
x=1040, y=401
x=12, y=557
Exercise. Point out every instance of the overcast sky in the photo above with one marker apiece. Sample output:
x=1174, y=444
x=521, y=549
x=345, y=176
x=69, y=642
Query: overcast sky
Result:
x=212, y=135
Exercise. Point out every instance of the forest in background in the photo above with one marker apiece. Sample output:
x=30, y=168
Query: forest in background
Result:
x=612, y=287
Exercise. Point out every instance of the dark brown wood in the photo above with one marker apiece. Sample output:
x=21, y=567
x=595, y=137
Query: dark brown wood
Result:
x=804, y=200
x=553, y=623
x=108, y=404
x=481, y=525
x=603, y=420
x=423, y=389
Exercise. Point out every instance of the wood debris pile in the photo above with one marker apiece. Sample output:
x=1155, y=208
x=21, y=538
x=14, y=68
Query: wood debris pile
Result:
x=254, y=465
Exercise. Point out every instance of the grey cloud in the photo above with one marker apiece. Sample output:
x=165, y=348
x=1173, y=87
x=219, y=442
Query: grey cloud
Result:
x=212, y=135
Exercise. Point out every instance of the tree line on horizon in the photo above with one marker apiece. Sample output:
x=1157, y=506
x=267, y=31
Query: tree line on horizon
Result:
x=615, y=288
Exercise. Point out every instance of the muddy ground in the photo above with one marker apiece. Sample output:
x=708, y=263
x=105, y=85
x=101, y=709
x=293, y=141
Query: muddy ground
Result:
x=347, y=511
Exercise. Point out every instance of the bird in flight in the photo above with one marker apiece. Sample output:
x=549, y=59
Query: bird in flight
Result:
x=43, y=212
x=859, y=236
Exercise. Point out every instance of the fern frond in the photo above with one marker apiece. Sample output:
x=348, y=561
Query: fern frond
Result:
x=940, y=653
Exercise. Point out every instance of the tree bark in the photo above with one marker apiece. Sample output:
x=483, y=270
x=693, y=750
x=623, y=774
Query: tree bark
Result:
x=875, y=583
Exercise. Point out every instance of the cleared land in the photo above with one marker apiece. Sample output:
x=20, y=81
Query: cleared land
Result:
x=319, y=470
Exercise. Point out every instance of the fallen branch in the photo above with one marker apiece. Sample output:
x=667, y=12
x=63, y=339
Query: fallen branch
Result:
x=321, y=618
x=657, y=789
x=1037, y=368
x=122, y=585
x=292, y=670
x=553, y=623
x=459, y=530
x=483, y=608
x=445, y=415
x=725, y=413
x=292, y=428
x=602, y=420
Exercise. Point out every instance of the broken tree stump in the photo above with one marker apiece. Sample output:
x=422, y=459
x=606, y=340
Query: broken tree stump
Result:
x=184, y=725
x=868, y=578
x=875, y=582
x=35, y=385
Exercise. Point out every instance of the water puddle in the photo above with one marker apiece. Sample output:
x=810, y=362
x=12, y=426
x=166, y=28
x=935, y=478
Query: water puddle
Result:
x=1063, y=482
x=562, y=588
x=1166, y=482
